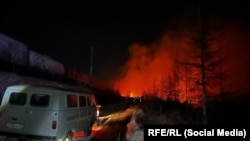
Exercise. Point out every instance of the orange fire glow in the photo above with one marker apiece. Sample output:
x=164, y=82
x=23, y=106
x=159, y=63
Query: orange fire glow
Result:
x=149, y=64
x=151, y=67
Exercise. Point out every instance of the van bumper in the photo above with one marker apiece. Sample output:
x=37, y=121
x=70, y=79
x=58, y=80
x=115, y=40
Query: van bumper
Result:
x=88, y=138
x=14, y=136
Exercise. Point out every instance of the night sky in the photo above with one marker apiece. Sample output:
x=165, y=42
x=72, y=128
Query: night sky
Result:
x=66, y=33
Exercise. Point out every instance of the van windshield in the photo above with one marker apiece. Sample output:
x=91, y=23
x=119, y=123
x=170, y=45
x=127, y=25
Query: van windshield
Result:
x=39, y=100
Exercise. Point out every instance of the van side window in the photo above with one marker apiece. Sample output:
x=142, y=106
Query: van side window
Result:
x=40, y=100
x=91, y=100
x=71, y=100
x=83, y=101
x=18, y=98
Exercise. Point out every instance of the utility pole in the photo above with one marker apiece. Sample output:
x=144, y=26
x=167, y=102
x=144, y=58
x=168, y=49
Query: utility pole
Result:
x=91, y=65
x=202, y=45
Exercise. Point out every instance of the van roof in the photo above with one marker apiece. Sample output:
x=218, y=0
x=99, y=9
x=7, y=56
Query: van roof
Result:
x=21, y=86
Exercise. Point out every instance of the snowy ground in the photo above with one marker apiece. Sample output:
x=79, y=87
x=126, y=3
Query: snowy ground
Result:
x=7, y=79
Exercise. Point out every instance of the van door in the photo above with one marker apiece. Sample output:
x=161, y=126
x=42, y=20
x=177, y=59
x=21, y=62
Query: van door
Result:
x=87, y=113
x=38, y=114
x=13, y=114
x=83, y=113
x=72, y=112
x=91, y=103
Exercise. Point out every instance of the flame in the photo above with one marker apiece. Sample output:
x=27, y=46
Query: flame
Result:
x=151, y=68
x=132, y=94
x=147, y=65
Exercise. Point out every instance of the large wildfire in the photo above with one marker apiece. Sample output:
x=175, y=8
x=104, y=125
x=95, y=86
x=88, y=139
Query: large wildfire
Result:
x=169, y=68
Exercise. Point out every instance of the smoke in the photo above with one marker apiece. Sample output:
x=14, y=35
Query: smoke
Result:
x=150, y=64
x=237, y=45
x=147, y=64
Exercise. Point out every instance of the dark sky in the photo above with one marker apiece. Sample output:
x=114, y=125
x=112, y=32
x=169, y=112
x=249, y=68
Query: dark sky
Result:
x=66, y=33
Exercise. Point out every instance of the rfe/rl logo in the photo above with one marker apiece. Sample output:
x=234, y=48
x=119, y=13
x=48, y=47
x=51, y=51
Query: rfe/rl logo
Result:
x=163, y=132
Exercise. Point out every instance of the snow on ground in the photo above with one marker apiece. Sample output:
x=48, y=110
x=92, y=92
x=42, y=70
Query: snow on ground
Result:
x=7, y=79
x=45, y=63
x=118, y=126
x=17, y=53
x=13, y=51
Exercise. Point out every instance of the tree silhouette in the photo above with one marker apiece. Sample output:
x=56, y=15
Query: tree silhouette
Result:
x=202, y=69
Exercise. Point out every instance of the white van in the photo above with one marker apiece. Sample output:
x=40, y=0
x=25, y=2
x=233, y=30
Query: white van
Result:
x=46, y=113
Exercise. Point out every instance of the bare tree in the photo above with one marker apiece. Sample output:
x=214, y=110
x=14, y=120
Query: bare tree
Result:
x=206, y=58
x=172, y=87
x=163, y=87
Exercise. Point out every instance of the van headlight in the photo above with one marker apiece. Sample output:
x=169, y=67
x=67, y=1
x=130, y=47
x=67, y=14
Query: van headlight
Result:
x=98, y=107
